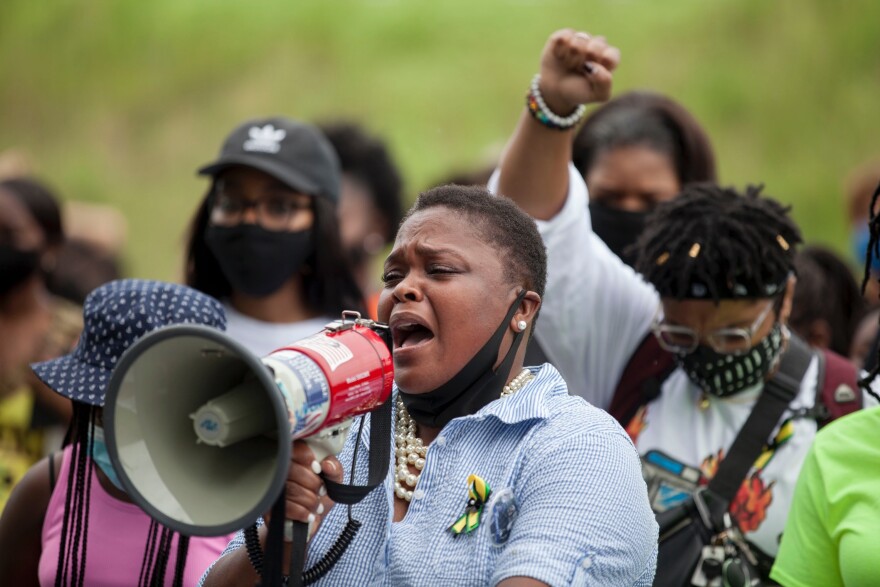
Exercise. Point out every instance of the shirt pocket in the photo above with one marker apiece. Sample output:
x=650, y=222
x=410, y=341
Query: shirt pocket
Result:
x=463, y=559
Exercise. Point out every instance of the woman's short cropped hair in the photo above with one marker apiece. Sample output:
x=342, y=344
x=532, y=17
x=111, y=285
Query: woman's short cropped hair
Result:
x=504, y=226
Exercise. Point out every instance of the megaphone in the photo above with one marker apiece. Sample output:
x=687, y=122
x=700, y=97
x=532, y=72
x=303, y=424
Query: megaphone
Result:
x=200, y=430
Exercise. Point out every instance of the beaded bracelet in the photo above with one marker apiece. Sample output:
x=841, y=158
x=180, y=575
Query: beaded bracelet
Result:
x=542, y=113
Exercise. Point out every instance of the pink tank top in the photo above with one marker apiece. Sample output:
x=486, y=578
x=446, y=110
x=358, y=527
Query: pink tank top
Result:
x=117, y=539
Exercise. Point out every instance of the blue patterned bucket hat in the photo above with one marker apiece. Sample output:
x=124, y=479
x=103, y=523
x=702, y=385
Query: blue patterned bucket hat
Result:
x=115, y=316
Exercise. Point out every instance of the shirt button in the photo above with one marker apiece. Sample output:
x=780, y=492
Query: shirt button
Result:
x=587, y=562
x=440, y=440
x=418, y=494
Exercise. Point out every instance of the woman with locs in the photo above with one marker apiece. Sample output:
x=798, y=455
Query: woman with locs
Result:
x=500, y=476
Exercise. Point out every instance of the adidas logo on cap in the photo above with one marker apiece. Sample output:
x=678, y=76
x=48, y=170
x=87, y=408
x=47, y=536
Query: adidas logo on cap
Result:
x=266, y=139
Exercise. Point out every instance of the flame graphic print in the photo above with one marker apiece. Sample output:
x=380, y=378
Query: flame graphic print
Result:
x=637, y=424
x=749, y=507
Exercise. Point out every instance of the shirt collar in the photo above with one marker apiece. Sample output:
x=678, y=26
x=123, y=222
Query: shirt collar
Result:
x=529, y=402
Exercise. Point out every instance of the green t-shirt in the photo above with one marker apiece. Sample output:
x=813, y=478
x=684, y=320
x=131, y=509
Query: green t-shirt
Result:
x=832, y=536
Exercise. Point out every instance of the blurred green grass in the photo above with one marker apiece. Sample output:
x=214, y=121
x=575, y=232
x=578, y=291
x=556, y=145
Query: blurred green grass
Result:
x=120, y=102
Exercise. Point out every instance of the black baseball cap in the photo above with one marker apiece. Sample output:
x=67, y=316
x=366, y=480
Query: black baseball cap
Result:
x=293, y=152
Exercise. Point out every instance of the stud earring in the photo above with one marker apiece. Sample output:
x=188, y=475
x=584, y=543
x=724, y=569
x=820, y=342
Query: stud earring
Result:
x=522, y=324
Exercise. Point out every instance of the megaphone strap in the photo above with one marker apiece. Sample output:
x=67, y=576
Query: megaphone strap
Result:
x=316, y=572
x=380, y=456
x=298, y=554
x=273, y=561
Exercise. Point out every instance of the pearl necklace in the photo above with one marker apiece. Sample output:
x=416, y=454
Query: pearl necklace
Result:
x=517, y=383
x=410, y=449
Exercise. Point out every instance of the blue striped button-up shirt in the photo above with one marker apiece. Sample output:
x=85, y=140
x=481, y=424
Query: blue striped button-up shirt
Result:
x=568, y=505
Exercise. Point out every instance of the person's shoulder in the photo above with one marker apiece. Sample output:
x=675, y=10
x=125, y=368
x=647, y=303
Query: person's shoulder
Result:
x=570, y=412
x=856, y=428
x=848, y=442
x=30, y=497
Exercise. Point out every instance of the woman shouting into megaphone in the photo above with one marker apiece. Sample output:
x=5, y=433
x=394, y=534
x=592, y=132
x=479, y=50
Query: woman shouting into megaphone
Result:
x=499, y=476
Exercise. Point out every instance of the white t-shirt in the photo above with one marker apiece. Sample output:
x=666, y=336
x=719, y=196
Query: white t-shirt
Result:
x=596, y=312
x=690, y=433
x=261, y=338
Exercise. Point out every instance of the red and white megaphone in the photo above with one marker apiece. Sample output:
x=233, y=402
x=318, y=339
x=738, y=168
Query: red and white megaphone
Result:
x=200, y=430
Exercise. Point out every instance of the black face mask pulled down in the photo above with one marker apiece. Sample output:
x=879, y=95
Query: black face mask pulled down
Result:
x=473, y=387
x=619, y=229
x=256, y=261
x=16, y=266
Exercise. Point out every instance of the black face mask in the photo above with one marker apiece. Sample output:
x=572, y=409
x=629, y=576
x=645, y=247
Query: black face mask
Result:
x=619, y=229
x=16, y=266
x=470, y=389
x=257, y=261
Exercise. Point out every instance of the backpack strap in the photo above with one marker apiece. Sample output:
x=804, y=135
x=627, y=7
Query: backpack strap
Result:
x=643, y=377
x=778, y=393
x=837, y=392
x=837, y=389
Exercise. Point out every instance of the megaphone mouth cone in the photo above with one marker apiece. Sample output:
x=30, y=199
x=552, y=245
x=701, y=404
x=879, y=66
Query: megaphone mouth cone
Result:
x=192, y=487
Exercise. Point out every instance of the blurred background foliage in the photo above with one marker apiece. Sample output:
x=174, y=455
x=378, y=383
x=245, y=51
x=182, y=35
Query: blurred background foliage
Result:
x=119, y=102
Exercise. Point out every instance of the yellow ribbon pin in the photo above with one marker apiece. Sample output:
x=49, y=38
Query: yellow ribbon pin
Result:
x=478, y=493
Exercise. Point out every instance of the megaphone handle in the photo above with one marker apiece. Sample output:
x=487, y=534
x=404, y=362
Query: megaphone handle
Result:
x=329, y=441
x=325, y=443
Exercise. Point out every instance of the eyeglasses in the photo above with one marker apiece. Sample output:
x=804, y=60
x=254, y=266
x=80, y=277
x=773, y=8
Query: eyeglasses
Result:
x=272, y=212
x=727, y=341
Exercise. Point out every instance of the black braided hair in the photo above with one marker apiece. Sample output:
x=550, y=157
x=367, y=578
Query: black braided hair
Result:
x=162, y=554
x=872, y=253
x=717, y=237
x=83, y=477
x=149, y=554
x=158, y=554
x=73, y=546
x=180, y=565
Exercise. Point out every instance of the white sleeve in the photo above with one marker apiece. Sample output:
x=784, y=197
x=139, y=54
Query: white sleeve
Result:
x=596, y=309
